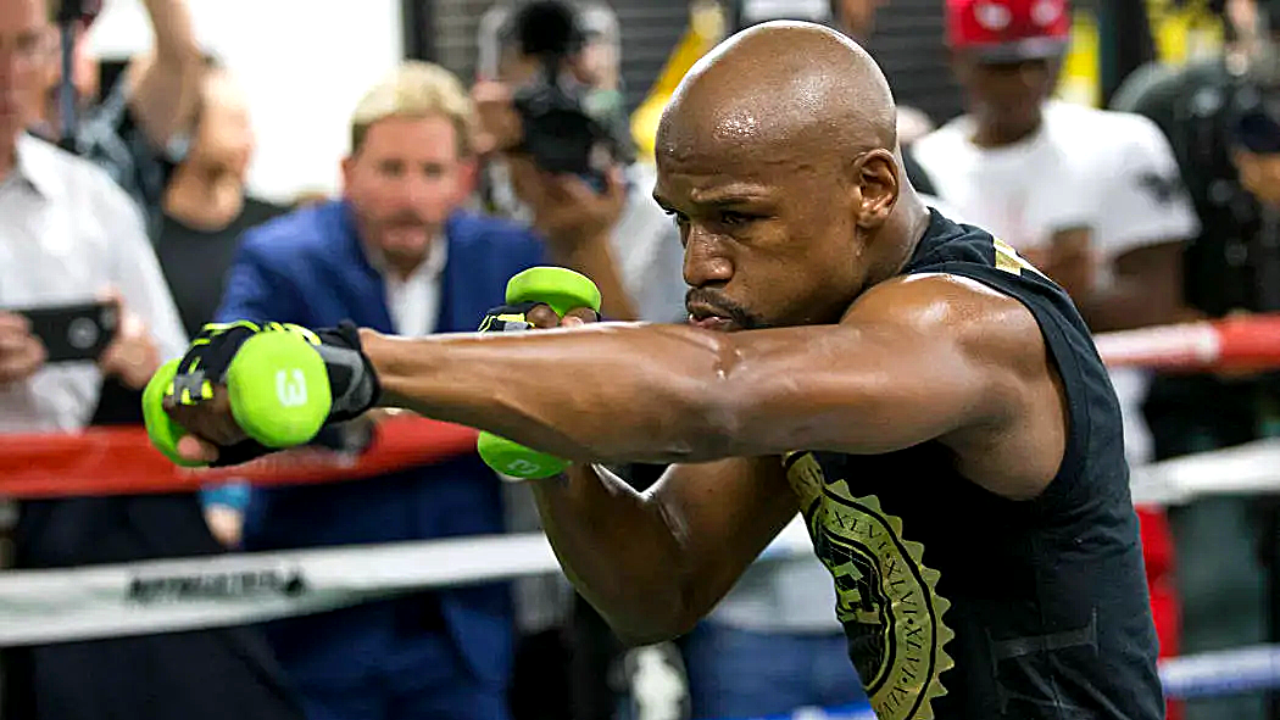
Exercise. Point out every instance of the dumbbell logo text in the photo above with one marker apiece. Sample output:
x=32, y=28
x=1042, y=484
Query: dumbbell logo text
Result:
x=291, y=392
x=521, y=467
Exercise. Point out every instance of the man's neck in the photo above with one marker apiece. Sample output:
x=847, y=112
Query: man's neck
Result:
x=404, y=270
x=204, y=199
x=996, y=135
x=909, y=221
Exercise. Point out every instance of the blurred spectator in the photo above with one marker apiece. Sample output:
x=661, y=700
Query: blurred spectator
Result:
x=398, y=253
x=206, y=205
x=1089, y=196
x=1219, y=115
x=206, y=209
x=568, y=662
x=139, y=129
x=643, y=242
x=67, y=232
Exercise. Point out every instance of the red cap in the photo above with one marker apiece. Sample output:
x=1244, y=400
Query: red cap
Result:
x=1009, y=30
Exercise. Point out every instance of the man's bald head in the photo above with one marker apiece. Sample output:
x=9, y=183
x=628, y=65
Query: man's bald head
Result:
x=782, y=86
x=776, y=156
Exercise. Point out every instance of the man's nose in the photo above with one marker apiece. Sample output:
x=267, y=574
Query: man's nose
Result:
x=416, y=190
x=705, y=262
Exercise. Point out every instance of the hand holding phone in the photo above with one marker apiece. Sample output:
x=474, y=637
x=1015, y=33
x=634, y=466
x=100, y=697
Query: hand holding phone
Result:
x=74, y=332
x=21, y=352
x=132, y=357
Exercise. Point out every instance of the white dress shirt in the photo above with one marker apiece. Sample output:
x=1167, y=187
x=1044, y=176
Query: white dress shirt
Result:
x=68, y=233
x=414, y=302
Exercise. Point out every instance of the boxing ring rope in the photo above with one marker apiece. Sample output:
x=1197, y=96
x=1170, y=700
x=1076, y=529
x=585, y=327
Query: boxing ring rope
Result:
x=44, y=606
x=121, y=461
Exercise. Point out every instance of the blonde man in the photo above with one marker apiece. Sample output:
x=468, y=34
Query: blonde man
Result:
x=397, y=251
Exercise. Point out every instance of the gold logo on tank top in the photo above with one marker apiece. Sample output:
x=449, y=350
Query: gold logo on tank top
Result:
x=1008, y=259
x=886, y=596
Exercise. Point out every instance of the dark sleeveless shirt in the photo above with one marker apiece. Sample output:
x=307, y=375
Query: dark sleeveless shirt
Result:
x=959, y=604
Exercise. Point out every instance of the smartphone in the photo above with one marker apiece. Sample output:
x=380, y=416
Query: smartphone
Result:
x=74, y=332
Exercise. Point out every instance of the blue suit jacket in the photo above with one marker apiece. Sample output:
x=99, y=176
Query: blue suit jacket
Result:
x=310, y=268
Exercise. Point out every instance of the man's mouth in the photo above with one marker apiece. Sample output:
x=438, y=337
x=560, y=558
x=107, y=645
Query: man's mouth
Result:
x=405, y=234
x=708, y=318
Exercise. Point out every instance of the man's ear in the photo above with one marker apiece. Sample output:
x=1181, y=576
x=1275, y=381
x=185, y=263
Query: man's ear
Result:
x=876, y=178
x=468, y=178
x=348, y=170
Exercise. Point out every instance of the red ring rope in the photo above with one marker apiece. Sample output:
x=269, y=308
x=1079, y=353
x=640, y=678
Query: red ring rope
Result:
x=112, y=461
x=116, y=461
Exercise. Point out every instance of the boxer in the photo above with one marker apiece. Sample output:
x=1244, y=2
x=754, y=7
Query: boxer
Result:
x=931, y=403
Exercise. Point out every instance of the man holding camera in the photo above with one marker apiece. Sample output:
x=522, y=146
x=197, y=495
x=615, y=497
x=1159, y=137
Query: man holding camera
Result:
x=557, y=63
x=553, y=65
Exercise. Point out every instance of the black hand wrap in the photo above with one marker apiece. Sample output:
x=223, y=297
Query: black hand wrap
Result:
x=352, y=380
x=508, y=318
x=353, y=384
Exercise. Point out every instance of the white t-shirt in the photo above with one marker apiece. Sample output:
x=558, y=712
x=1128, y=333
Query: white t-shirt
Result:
x=1113, y=173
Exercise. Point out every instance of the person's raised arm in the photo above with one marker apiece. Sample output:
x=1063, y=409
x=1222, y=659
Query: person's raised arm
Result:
x=164, y=84
x=577, y=223
x=654, y=563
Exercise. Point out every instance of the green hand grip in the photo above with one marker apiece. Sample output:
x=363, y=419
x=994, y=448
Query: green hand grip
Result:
x=278, y=389
x=163, y=431
x=563, y=290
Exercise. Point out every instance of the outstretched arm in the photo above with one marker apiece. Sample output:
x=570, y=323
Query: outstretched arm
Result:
x=918, y=359
x=915, y=359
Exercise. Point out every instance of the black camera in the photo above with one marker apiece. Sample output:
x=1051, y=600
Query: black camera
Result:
x=1253, y=100
x=563, y=130
x=1254, y=120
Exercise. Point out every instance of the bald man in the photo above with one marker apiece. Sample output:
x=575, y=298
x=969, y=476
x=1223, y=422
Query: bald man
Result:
x=930, y=402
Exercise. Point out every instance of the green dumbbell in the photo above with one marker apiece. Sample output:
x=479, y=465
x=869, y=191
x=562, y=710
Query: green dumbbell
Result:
x=278, y=389
x=562, y=290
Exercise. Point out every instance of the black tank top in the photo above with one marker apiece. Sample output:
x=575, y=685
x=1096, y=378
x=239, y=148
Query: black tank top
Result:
x=959, y=604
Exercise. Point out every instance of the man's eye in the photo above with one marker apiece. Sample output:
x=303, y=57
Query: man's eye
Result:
x=679, y=217
x=734, y=219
